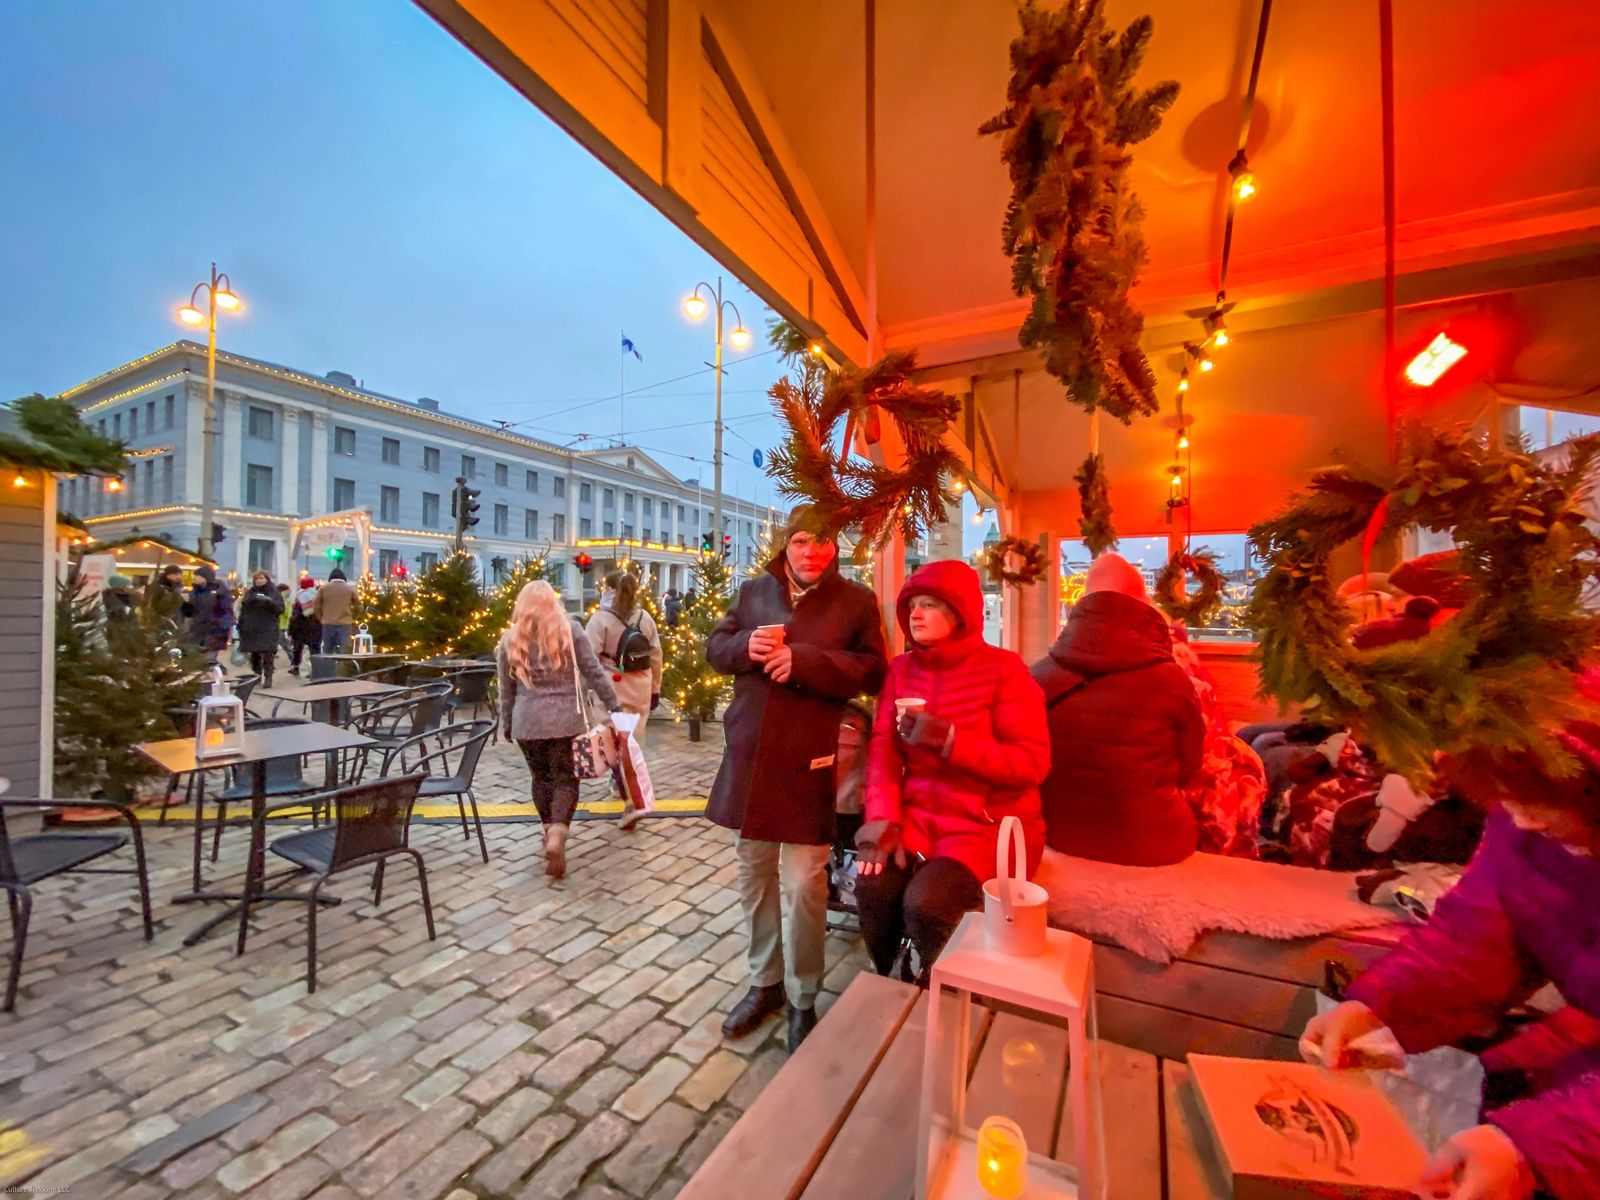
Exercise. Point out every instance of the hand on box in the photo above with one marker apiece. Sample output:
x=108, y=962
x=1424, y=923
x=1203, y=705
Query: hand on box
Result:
x=1480, y=1163
x=779, y=664
x=1329, y=1037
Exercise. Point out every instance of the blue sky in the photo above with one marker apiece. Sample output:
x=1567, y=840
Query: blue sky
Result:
x=384, y=203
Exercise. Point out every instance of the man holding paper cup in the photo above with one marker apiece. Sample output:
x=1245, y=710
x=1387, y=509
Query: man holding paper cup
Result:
x=800, y=641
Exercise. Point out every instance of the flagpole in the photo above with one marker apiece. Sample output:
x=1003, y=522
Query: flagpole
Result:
x=622, y=389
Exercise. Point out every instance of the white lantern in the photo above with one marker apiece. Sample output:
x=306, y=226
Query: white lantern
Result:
x=218, y=721
x=362, y=642
x=958, y=1162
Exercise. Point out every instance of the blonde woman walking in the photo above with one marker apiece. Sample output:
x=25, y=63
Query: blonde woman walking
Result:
x=541, y=659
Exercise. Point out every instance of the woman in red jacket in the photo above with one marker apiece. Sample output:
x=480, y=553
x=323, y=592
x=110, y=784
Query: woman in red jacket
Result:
x=941, y=775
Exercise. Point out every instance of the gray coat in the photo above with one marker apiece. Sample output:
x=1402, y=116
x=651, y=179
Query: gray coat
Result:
x=547, y=707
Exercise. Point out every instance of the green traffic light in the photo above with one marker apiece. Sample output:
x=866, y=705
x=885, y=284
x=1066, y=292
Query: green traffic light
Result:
x=335, y=553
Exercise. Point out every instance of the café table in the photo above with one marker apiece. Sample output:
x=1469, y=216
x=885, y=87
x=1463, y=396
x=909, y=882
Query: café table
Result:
x=325, y=696
x=346, y=664
x=177, y=757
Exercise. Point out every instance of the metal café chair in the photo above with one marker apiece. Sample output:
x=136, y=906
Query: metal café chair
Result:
x=284, y=778
x=369, y=827
x=33, y=858
x=461, y=744
x=475, y=688
x=400, y=718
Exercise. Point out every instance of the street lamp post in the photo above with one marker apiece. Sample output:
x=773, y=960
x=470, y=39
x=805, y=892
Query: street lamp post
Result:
x=219, y=294
x=739, y=337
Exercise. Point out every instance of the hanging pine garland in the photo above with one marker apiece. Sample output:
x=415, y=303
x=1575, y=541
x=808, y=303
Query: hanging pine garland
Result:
x=1498, y=675
x=1071, y=228
x=822, y=410
x=1094, y=506
x=50, y=434
x=1194, y=609
x=1030, y=561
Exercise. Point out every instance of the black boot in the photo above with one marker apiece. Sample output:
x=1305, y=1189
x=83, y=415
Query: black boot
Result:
x=801, y=1022
x=758, y=1004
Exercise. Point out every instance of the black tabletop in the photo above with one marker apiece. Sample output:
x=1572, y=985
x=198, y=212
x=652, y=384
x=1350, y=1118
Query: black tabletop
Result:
x=331, y=689
x=176, y=756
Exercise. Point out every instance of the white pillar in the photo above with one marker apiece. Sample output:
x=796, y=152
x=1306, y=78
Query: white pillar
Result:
x=194, y=433
x=319, y=463
x=231, y=494
x=289, y=471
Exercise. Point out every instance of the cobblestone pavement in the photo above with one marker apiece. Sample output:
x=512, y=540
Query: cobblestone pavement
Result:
x=557, y=1040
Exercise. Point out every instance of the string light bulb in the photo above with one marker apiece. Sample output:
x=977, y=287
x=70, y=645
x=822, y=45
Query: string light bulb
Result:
x=1183, y=441
x=1244, y=179
x=19, y=480
x=1183, y=381
x=1217, y=330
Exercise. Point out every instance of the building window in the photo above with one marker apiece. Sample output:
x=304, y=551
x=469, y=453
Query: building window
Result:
x=681, y=517
x=171, y=406
x=430, y=458
x=560, y=487
x=430, y=510
x=260, y=423
x=627, y=503
x=502, y=518
x=133, y=422
x=531, y=482
x=558, y=527
x=150, y=416
x=585, y=527
x=681, y=542
x=608, y=498
x=391, y=451
x=747, y=531
x=344, y=441
x=257, y=486
x=530, y=524
x=388, y=560
x=389, y=504
x=557, y=575
x=648, y=534
x=262, y=551
x=116, y=426
x=608, y=529
x=502, y=475
x=166, y=478
x=649, y=507
x=427, y=560
x=344, y=494
x=627, y=531
x=585, y=490
x=469, y=466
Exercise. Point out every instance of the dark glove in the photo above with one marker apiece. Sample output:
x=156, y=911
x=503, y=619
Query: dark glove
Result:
x=876, y=843
x=927, y=731
x=655, y=701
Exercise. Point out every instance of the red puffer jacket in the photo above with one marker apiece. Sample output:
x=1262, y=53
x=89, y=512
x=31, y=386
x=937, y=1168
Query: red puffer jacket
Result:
x=952, y=807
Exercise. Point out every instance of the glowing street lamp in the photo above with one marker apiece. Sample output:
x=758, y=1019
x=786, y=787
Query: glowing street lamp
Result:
x=695, y=308
x=219, y=294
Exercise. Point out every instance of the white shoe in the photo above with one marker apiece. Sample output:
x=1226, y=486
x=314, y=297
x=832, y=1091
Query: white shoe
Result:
x=630, y=815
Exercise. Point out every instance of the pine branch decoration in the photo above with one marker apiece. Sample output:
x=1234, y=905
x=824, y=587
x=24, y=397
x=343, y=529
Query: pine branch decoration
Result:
x=1072, y=226
x=1094, y=506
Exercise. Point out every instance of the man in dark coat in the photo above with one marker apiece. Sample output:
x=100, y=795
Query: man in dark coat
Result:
x=1126, y=732
x=210, y=611
x=776, y=782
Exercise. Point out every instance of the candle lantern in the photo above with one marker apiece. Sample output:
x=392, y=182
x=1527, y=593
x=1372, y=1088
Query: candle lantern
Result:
x=362, y=642
x=959, y=1162
x=218, y=721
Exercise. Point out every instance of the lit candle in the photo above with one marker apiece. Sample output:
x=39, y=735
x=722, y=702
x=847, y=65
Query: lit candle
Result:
x=213, y=737
x=1002, y=1158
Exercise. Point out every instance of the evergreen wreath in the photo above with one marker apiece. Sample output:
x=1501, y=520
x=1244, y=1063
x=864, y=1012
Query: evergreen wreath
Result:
x=1071, y=228
x=50, y=434
x=1029, y=568
x=1171, y=587
x=1094, y=506
x=853, y=493
x=1499, y=675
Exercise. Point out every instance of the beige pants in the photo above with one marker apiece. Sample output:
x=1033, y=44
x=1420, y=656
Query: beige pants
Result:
x=784, y=893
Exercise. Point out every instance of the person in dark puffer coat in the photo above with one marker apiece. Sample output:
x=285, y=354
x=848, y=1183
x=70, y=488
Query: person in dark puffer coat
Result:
x=1126, y=731
x=939, y=782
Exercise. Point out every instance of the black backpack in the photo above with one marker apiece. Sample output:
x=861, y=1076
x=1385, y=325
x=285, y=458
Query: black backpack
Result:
x=633, y=650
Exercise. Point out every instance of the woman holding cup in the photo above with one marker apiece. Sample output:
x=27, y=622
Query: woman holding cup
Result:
x=960, y=741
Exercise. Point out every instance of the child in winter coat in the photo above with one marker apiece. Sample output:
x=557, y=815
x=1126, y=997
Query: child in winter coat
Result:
x=941, y=775
x=1526, y=913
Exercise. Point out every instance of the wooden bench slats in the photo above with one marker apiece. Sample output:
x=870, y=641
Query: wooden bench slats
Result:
x=1269, y=1005
x=1168, y=1033
x=794, y=1120
x=1130, y=1103
x=874, y=1157
x=1192, y=1170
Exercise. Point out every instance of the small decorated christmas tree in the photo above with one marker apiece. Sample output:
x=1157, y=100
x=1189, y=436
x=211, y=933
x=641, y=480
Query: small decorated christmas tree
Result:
x=385, y=607
x=446, y=600
x=483, y=629
x=688, y=681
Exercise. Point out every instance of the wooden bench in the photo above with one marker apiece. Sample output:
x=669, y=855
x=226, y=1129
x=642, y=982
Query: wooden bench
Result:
x=840, y=1119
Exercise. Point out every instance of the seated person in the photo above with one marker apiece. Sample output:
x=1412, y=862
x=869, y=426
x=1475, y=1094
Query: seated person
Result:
x=1526, y=913
x=1126, y=731
x=941, y=777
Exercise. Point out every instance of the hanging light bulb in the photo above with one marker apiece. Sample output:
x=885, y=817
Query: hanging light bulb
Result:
x=1217, y=330
x=1183, y=380
x=1183, y=441
x=1244, y=180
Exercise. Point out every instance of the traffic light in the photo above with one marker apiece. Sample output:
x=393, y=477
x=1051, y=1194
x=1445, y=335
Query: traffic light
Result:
x=583, y=562
x=464, y=507
x=399, y=571
x=727, y=544
x=705, y=543
x=335, y=552
x=218, y=533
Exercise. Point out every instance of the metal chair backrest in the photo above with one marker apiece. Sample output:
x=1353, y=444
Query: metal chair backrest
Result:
x=371, y=818
x=464, y=743
x=472, y=685
x=243, y=686
x=281, y=773
x=323, y=668
x=428, y=712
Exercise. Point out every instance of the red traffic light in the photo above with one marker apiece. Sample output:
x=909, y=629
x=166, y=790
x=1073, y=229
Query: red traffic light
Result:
x=399, y=571
x=583, y=561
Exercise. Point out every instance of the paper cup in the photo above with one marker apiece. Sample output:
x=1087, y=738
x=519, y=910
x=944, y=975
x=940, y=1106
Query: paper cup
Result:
x=776, y=632
x=909, y=704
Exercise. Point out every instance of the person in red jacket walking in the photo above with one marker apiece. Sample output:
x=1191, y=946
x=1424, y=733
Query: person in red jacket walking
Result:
x=942, y=774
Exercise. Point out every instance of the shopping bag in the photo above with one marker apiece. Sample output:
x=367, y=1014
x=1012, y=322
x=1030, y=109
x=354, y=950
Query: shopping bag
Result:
x=641, y=794
x=594, y=754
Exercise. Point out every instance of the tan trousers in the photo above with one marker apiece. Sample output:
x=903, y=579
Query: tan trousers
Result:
x=784, y=893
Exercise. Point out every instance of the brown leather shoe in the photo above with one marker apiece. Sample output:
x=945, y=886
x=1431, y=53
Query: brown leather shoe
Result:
x=758, y=1004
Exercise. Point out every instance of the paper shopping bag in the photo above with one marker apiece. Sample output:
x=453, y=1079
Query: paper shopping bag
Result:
x=641, y=795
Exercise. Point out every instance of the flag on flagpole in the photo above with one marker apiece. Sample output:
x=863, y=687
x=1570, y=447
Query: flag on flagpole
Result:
x=629, y=348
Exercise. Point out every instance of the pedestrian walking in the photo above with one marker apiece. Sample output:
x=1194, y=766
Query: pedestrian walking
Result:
x=672, y=608
x=800, y=641
x=210, y=612
x=334, y=609
x=259, y=609
x=305, y=631
x=547, y=669
x=628, y=644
